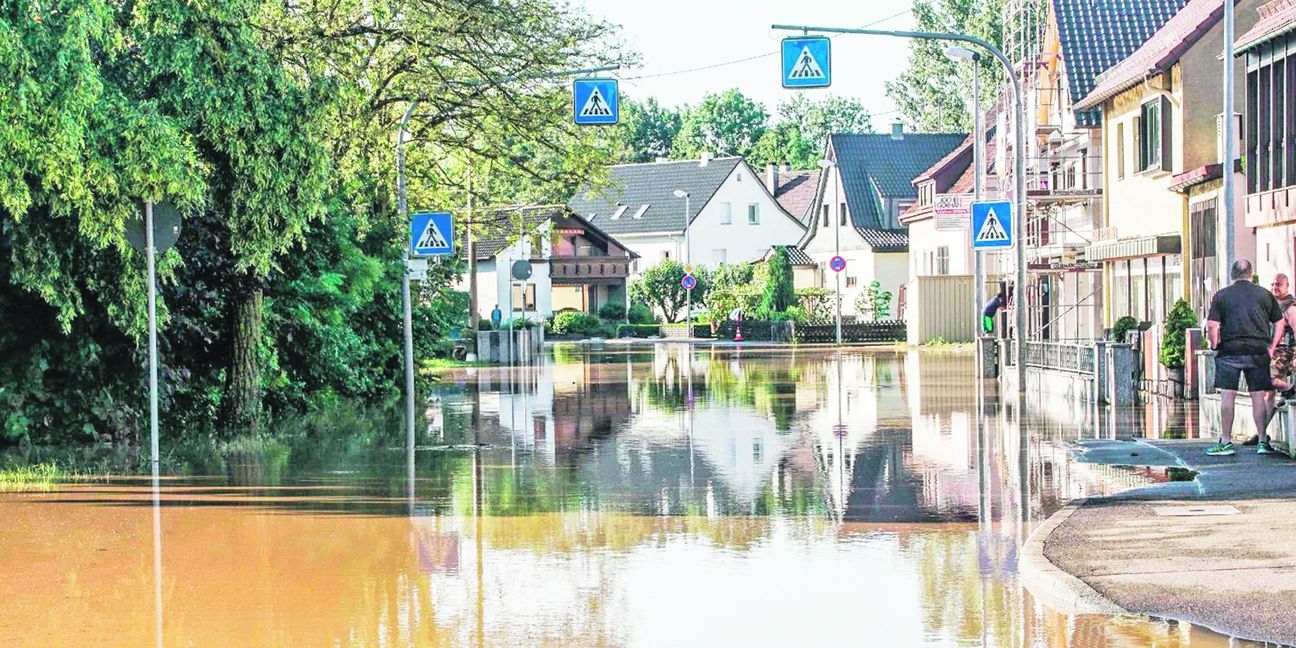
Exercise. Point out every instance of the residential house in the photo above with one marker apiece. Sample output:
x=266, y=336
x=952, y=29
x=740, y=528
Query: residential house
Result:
x=940, y=299
x=795, y=191
x=574, y=265
x=1160, y=112
x=1269, y=51
x=732, y=218
x=858, y=205
x=805, y=271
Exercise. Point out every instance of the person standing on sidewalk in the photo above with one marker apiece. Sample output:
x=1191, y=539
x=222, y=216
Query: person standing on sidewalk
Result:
x=1238, y=327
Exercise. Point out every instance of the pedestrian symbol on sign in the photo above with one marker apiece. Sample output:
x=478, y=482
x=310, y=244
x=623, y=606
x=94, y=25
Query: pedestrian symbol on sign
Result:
x=992, y=231
x=806, y=67
x=431, y=237
x=596, y=105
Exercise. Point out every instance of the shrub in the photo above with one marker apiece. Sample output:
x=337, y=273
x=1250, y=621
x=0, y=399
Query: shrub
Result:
x=1123, y=326
x=638, y=330
x=874, y=304
x=575, y=324
x=1173, y=347
x=641, y=314
x=779, y=293
x=612, y=311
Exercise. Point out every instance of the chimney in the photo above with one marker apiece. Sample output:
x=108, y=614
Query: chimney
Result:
x=706, y=159
x=659, y=159
x=772, y=178
x=897, y=130
x=785, y=168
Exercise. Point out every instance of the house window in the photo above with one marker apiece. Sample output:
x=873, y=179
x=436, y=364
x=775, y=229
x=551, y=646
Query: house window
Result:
x=842, y=213
x=726, y=213
x=739, y=174
x=640, y=212
x=753, y=214
x=530, y=297
x=1120, y=151
x=537, y=246
x=825, y=215
x=1154, y=136
x=720, y=255
x=616, y=215
x=850, y=281
x=942, y=260
x=665, y=254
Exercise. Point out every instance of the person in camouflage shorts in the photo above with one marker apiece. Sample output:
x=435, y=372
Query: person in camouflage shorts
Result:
x=1285, y=352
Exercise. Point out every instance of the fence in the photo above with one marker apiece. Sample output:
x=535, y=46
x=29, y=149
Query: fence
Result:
x=757, y=330
x=885, y=331
x=1078, y=358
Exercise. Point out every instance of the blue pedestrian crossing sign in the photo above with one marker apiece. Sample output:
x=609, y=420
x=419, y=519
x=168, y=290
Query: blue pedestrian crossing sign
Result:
x=595, y=101
x=807, y=62
x=432, y=234
x=992, y=225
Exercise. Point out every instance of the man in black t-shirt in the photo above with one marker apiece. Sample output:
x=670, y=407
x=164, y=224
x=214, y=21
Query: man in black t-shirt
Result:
x=1239, y=327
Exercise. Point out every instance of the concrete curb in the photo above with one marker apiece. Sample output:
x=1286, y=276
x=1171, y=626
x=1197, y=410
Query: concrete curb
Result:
x=1053, y=587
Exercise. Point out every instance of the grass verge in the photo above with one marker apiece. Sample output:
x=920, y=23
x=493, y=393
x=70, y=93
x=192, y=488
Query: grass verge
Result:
x=35, y=477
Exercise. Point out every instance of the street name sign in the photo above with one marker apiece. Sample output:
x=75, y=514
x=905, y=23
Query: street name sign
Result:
x=595, y=102
x=432, y=234
x=992, y=225
x=416, y=269
x=807, y=62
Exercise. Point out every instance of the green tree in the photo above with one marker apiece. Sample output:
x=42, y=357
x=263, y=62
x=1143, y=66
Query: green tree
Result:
x=816, y=119
x=1180, y=318
x=784, y=143
x=646, y=130
x=728, y=123
x=780, y=294
x=660, y=287
x=933, y=94
x=874, y=303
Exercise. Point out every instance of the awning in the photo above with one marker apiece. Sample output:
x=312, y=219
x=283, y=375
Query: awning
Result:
x=1134, y=248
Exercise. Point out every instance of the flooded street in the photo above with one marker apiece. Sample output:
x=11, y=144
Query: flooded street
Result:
x=661, y=496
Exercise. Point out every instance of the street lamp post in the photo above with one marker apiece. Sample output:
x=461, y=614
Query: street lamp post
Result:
x=402, y=203
x=978, y=165
x=827, y=166
x=688, y=259
x=1019, y=153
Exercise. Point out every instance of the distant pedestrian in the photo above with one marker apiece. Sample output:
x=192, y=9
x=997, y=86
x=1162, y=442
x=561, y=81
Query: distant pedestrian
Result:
x=997, y=303
x=1238, y=327
x=496, y=317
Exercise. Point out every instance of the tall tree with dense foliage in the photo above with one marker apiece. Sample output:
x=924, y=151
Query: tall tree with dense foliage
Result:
x=646, y=130
x=660, y=287
x=816, y=119
x=728, y=123
x=934, y=93
x=784, y=143
x=780, y=293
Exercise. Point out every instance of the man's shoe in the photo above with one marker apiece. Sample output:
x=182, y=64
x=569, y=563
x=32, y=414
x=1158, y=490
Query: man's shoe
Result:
x=1255, y=440
x=1265, y=448
x=1221, y=450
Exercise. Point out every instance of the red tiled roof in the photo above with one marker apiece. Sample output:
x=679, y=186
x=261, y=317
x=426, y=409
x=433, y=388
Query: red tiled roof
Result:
x=796, y=192
x=1276, y=18
x=1159, y=52
x=944, y=162
x=965, y=183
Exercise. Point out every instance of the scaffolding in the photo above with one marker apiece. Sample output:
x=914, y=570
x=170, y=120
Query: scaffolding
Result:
x=1063, y=182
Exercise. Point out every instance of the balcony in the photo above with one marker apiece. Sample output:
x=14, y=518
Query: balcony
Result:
x=575, y=270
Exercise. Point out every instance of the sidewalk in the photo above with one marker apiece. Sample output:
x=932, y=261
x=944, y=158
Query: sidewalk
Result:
x=1218, y=551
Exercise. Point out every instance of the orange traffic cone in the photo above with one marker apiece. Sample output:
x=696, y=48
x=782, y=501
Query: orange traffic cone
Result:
x=738, y=334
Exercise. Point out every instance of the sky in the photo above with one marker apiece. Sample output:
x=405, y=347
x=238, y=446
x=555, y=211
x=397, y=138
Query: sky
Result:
x=675, y=35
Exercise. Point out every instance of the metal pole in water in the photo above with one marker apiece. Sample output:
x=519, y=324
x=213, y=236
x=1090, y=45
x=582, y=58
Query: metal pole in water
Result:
x=149, y=256
x=406, y=309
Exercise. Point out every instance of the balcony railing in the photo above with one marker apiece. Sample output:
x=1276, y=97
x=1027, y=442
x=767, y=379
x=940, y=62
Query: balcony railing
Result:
x=581, y=268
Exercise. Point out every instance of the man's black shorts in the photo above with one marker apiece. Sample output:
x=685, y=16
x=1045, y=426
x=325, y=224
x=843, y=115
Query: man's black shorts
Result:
x=1255, y=367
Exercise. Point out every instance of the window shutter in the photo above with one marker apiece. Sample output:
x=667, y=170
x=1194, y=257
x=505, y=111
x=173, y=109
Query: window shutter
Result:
x=1166, y=119
x=1140, y=161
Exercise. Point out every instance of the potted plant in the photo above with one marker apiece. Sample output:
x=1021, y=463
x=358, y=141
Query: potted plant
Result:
x=1174, y=342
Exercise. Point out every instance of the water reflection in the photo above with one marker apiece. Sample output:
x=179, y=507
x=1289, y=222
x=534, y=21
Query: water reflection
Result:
x=661, y=497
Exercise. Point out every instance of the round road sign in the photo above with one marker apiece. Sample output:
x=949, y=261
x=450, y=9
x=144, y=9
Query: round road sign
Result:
x=521, y=270
x=689, y=282
x=837, y=264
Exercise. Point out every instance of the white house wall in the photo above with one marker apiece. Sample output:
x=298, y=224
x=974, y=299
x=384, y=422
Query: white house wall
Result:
x=925, y=240
x=714, y=242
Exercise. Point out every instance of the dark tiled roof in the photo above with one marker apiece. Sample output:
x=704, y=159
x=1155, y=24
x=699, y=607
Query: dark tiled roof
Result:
x=1097, y=34
x=1160, y=51
x=501, y=227
x=1276, y=18
x=796, y=193
x=796, y=255
x=885, y=240
x=653, y=184
x=875, y=166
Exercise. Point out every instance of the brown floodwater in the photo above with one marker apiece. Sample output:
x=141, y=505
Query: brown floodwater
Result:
x=664, y=496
